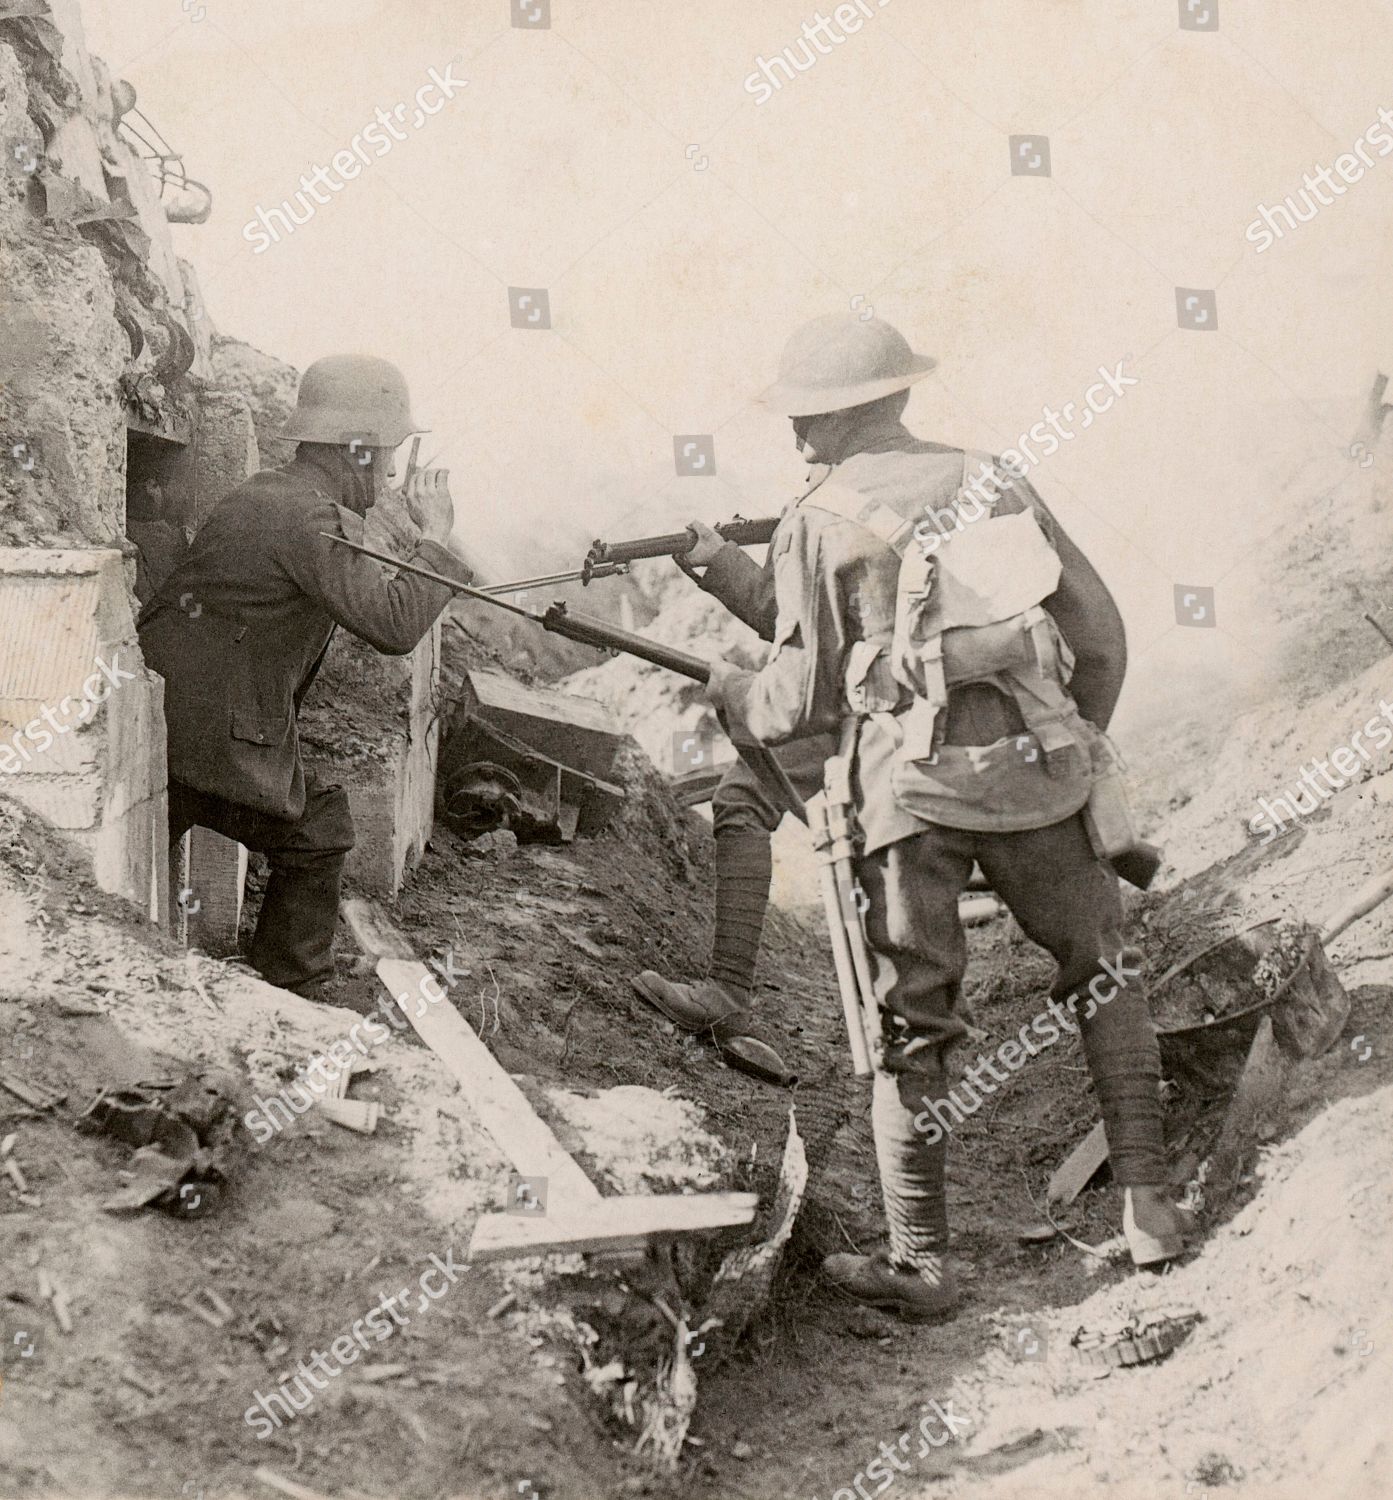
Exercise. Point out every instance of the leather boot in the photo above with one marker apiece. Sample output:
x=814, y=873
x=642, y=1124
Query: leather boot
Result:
x=712, y=1009
x=912, y=1277
x=917, y=1296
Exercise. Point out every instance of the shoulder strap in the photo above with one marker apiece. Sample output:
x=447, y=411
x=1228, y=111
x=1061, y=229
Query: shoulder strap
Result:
x=882, y=521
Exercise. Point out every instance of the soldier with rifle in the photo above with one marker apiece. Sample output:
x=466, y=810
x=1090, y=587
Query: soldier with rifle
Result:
x=967, y=659
x=744, y=815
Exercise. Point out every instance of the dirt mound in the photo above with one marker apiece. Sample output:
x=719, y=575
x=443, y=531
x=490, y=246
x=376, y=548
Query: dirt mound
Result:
x=1292, y=1402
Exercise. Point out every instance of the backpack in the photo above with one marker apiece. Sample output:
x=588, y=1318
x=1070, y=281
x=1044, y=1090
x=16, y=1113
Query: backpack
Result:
x=969, y=607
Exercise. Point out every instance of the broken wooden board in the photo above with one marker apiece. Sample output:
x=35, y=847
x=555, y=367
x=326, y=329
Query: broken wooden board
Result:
x=1078, y=1168
x=613, y=1225
x=568, y=1213
x=1252, y=1116
x=375, y=935
x=502, y=1107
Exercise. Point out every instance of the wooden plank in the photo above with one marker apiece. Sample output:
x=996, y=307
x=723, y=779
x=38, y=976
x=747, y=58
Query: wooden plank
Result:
x=353, y=1114
x=1079, y=1167
x=506, y=695
x=613, y=1224
x=502, y=1107
x=1252, y=1118
x=576, y=731
x=374, y=930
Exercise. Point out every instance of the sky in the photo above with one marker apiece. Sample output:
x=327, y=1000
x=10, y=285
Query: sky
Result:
x=682, y=216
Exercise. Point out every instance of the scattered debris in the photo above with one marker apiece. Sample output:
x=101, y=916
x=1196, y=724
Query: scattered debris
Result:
x=507, y=1300
x=51, y=1291
x=11, y=1166
x=182, y=1142
x=206, y=1304
x=268, y=1334
x=1134, y=1344
x=33, y=1094
x=1079, y=1168
x=139, y=1382
x=285, y=1486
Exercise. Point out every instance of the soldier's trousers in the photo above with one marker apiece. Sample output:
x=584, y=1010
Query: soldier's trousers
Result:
x=295, y=929
x=1065, y=899
x=744, y=814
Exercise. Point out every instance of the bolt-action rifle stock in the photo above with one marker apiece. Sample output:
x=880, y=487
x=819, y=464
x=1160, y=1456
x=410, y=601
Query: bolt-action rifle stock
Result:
x=677, y=543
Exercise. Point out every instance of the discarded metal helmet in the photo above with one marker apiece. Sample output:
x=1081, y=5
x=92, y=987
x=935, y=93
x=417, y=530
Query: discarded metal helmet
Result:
x=840, y=360
x=348, y=396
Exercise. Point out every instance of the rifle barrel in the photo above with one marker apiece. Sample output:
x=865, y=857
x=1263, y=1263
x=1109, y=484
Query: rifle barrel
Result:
x=586, y=631
x=580, y=628
x=602, y=570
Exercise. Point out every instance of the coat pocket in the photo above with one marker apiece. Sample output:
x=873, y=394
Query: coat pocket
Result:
x=263, y=770
x=257, y=727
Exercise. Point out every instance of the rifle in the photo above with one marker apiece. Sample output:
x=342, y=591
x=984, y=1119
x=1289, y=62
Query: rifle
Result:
x=598, y=570
x=588, y=631
x=676, y=543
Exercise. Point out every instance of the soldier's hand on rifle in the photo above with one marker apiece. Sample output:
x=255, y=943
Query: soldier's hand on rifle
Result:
x=723, y=673
x=429, y=504
x=708, y=544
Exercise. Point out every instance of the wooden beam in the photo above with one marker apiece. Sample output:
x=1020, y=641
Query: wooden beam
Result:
x=502, y=1107
x=576, y=731
x=374, y=931
x=692, y=788
x=575, y=1218
x=1078, y=1168
x=617, y=1225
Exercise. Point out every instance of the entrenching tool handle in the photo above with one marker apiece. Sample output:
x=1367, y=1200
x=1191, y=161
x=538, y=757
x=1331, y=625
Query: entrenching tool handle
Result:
x=860, y=955
x=1373, y=893
x=841, y=949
